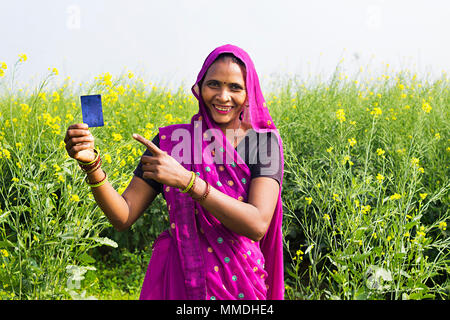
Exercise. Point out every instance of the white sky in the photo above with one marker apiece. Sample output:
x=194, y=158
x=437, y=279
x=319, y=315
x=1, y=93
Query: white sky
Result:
x=168, y=40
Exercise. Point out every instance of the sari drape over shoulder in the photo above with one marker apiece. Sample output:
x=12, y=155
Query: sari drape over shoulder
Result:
x=198, y=257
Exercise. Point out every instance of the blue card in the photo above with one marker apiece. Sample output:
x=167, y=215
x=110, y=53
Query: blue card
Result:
x=91, y=108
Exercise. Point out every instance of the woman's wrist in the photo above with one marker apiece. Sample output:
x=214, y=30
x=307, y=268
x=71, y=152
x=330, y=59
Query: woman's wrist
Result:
x=185, y=179
x=95, y=156
x=95, y=175
x=198, y=189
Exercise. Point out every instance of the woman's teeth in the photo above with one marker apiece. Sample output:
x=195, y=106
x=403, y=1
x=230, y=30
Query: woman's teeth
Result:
x=222, y=108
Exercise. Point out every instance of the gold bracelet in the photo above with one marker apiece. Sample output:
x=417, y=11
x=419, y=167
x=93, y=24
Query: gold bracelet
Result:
x=97, y=184
x=97, y=154
x=190, y=183
x=99, y=164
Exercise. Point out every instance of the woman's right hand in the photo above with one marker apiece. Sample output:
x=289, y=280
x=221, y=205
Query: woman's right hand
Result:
x=80, y=142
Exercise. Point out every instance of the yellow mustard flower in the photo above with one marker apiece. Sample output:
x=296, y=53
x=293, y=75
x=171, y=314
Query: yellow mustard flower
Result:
x=380, y=178
x=352, y=142
x=69, y=117
x=423, y=195
x=42, y=96
x=376, y=112
x=60, y=177
x=117, y=136
x=426, y=107
x=25, y=108
x=54, y=71
x=345, y=159
x=415, y=161
x=421, y=232
x=336, y=197
x=107, y=158
x=340, y=115
x=395, y=196
x=308, y=200
x=75, y=198
x=380, y=152
x=23, y=57
x=365, y=209
x=6, y=153
x=55, y=96
x=106, y=79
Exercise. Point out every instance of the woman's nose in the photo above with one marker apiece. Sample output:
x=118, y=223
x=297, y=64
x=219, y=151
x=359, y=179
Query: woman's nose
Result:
x=223, y=95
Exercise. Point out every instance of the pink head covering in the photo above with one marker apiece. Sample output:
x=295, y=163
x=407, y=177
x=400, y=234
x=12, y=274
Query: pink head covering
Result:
x=257, y=113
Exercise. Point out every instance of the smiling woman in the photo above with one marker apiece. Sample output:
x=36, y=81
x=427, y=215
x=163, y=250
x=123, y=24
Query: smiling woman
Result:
x=224, y=240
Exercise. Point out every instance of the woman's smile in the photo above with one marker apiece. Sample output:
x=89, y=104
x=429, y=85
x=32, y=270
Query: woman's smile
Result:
x=222, y=109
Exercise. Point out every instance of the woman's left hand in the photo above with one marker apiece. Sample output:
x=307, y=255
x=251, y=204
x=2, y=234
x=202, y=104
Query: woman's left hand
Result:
x=162, y=167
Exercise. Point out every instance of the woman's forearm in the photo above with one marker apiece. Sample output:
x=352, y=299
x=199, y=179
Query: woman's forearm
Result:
x=238, y=216
x=113, y=205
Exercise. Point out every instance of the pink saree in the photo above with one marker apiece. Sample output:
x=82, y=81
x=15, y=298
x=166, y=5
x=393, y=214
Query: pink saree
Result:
x=198, y=258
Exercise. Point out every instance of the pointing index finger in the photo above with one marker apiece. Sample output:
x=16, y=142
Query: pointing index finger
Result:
x=150, y=145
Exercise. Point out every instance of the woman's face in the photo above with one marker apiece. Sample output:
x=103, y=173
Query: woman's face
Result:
x=224, y=93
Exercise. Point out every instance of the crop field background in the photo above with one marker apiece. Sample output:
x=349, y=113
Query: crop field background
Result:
x=366, y=185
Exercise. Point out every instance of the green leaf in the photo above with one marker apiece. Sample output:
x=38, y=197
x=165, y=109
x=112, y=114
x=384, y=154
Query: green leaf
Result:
x=309, y=248
x=86, y=258
x=360, y=257
x=105, y=241
x=361, y=294
x=6, y=244
x=77, y=272
x=374, y=276
x=4, y=215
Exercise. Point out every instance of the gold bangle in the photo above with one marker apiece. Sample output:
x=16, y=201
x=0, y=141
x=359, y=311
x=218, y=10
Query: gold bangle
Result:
x=99, y=164
x=190, y=183
x=97, y=184
x=88, y=163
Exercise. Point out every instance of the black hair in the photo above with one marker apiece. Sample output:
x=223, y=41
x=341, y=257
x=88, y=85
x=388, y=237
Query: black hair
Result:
x=232, y=56
x=221, y=57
